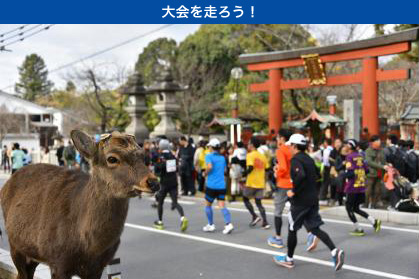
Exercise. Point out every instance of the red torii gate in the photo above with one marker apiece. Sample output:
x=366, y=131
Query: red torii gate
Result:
x=365, y=50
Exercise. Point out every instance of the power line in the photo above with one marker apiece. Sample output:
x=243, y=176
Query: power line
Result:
x=103, y=50
x=19, y=34
x=13, y=30
x=25, y=37
x=110, y=48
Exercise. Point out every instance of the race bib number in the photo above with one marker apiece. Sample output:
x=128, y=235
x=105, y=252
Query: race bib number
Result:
x=170, y=165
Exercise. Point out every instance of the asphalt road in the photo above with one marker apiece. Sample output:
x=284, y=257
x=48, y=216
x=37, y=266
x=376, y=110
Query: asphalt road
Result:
x=149, y=253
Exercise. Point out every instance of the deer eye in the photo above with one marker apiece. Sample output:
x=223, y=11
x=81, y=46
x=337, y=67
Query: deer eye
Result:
x=112, y=160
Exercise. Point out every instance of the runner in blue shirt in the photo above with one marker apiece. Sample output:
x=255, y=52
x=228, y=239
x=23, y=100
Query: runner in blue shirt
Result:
x=216, y=186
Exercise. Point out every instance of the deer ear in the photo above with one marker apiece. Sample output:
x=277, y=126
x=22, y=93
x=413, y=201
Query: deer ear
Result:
x=83, y=143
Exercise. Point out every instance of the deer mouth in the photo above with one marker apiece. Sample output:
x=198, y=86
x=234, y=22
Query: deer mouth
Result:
x=147, y=185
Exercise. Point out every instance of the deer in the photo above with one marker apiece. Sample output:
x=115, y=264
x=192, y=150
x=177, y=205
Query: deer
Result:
x=70, y=220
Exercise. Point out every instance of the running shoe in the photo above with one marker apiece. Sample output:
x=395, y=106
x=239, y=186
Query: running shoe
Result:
x=158, y=225
x=255, y=220
x=357, y=232
x=282, y=261
x=377, y=225
x=183, y=223
x=338, y=259
x=266, y=225
x=312, y=242
x=275, y=242
x=209, y=228
x=228, y=228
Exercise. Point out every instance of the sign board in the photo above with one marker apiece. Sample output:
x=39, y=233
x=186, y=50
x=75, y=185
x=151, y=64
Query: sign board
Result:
x=315, y=69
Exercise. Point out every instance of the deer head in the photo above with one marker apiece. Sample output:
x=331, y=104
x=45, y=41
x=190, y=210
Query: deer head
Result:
x=118, y=162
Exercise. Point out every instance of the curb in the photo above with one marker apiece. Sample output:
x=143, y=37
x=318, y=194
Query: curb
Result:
x=404, y=218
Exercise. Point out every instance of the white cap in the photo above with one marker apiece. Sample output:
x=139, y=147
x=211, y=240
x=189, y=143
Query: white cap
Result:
x=297, y=139
x=214, y=142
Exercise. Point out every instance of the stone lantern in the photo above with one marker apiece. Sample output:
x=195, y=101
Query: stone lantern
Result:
x=137, y=107
x=167, y=106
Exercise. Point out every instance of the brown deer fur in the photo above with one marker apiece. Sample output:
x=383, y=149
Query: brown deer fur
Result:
x=68, y=219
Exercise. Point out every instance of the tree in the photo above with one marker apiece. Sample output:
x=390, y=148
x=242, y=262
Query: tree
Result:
x=10, y=122
x=101, y=93
x=148, y=65
x=380, y=29
x=33, y=80
x=396, y=95
x=205, y=59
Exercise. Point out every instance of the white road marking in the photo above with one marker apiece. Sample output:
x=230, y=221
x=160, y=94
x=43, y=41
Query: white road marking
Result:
x=266, y=251
x=179, y=201
x=328, y=220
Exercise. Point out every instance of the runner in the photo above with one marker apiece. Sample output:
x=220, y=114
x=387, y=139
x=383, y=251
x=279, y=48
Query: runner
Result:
x=305, y=204
x=256, y=164
x=165, y=168
x=216, y=187
x=355, y=181
x=284, y=183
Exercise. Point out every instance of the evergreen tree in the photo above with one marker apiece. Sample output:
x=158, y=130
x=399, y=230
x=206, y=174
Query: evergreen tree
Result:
x=33, y=81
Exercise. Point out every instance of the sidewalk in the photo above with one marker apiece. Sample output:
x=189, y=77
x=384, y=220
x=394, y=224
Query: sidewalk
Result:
x=397, y=217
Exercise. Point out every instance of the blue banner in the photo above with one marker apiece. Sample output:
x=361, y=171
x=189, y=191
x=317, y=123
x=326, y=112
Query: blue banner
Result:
x=208, y=11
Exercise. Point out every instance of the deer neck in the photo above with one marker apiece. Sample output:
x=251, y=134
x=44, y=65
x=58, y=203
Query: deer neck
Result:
x=103, y=216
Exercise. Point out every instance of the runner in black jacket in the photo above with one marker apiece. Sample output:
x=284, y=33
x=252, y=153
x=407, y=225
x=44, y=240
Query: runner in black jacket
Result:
x=165, y=168
x=305, y=204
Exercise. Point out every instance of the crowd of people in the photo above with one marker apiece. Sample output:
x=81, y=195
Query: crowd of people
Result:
x=288, y=168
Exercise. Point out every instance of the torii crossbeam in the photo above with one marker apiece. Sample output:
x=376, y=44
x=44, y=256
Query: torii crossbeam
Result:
x=366, y=50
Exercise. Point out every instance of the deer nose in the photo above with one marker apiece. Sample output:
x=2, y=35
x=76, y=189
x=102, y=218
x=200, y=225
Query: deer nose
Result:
x=153, y=184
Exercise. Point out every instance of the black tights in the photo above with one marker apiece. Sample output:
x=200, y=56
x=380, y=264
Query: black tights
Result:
x=323, y=236
x=352, y=206
x=160, y=199
x=249, y=207
x=278, y=225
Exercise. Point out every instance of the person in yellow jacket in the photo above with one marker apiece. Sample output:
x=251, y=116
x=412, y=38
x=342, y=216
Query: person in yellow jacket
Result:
x=256, y=163
x=199, y=163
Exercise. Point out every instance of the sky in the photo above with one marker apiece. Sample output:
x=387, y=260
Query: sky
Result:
x=64, y=43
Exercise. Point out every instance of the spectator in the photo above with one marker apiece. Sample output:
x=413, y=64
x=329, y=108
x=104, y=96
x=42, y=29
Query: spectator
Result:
x=69, y=155
x=327, y=144
x=376, y=162
x=28, y=158
x=394, y=154
x=17, y=158
x=236, y=174
x=5, y=162
x=199, y=163
x=412, y=162
x=334, y=154
x=45, y=155
x=60, y=151
x=186, y=155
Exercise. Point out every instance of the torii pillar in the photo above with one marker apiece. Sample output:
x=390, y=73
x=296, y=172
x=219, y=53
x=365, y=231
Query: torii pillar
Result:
x=370, y=116
x=275, y=100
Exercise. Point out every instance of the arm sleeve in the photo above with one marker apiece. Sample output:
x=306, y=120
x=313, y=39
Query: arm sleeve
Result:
x=297, y=175
x=370, y=161
x=282, y=164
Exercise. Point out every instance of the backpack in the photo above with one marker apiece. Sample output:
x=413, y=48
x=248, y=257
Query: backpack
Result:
x=398, y=159
x=70, y=153
x=402, y=187
x=412, y=166
x=408, y=205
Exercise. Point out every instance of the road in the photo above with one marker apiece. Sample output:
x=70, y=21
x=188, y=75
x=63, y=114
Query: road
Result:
x=149, y=253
